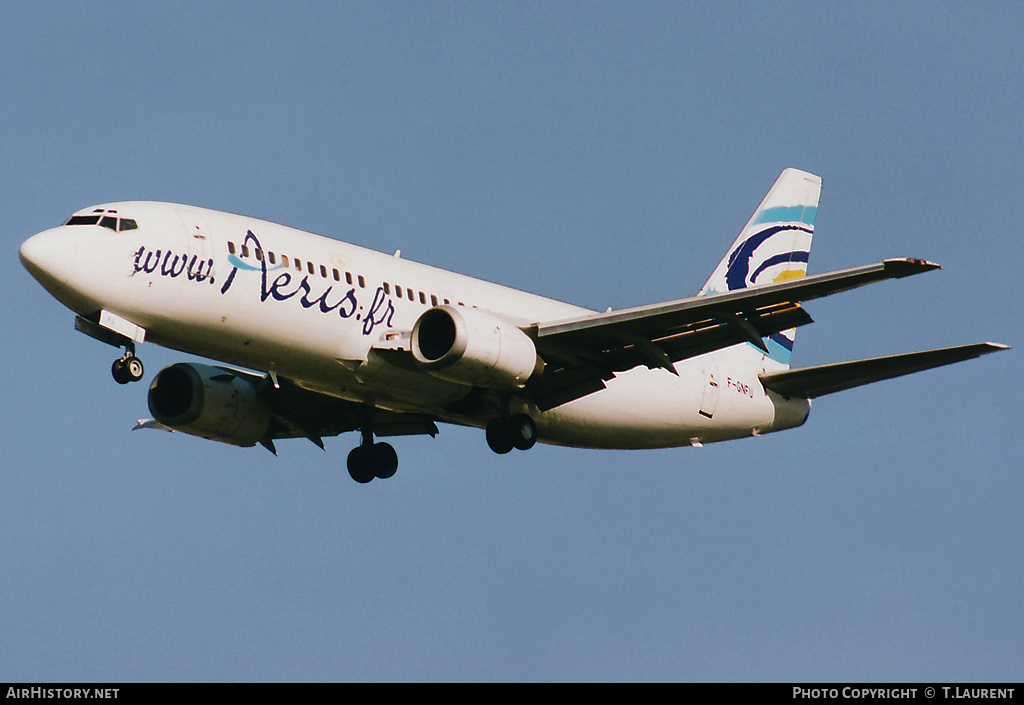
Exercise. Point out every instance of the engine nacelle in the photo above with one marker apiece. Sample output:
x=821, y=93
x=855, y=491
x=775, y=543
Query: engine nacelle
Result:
x=209, y=402
x=470, y=346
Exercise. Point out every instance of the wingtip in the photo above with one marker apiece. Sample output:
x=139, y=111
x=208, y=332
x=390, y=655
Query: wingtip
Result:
x=907, y=266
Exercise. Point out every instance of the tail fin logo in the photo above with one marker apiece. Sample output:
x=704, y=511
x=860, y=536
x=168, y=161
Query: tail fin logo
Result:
x=773, y=246
x=775, y=250
x=776, y=253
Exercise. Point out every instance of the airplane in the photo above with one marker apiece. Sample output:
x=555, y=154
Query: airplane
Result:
x=318, y=337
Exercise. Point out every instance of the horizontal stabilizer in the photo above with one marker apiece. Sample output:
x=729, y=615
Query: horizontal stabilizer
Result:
x=811, y=382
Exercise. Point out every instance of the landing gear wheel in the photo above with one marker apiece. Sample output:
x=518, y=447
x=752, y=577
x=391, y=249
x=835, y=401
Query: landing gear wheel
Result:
x=119, y=372
x=523, y=431
x=360, y=466
x=499, y=437
x=385, y=460
x=519, y=431
x=368, y=461
x=127, y=369
x=133, y=366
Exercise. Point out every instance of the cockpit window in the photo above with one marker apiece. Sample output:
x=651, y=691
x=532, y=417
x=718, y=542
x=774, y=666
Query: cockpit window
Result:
x=110, y=221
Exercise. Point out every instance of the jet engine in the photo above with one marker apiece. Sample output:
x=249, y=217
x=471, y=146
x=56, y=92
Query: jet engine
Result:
x=209, y=402
x=474, y=347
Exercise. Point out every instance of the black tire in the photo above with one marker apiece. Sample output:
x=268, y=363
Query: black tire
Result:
x=498, y=437
x=133, y=368
x=385, y=460
x=360, y=464
x=120, y=371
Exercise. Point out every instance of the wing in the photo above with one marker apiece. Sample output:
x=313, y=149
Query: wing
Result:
x=811, y=382
x=303, y=413
x=583, y=353
x=297, y=412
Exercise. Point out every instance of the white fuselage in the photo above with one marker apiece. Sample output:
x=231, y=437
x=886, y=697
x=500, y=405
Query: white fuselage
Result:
x=271, y=298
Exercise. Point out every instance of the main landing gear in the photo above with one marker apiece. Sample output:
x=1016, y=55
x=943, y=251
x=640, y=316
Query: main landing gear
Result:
x=127, y=368
x=518, y=431
x=369, y=460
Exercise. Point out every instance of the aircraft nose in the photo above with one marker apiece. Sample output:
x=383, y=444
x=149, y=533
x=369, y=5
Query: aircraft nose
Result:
x=50, y=258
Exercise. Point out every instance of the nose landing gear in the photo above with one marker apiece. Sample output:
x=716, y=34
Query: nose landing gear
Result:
x=127, y=368
x=120, y=333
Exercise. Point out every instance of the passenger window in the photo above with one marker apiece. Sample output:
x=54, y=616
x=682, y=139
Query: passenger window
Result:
x=259, y=254
x=348, y=278
x=412, y=296
x=362, y=282
x=398, y=291
x=337, y=275
x=433, y=300
x=298, y=265
x=284, y=261
x=231, y=248
x=245, y=250
x=423, y=299
x=273, y=260
x=387, y=288
x=323, y=271
x=128, y=224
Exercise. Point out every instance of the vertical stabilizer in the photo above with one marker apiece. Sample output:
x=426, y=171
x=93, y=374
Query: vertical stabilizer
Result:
x=773, y=246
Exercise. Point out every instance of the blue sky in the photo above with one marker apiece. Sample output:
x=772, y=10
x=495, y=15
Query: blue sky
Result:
x=600, y=153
